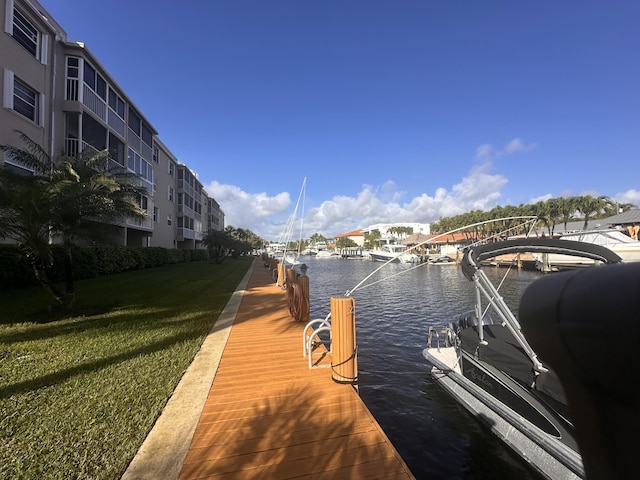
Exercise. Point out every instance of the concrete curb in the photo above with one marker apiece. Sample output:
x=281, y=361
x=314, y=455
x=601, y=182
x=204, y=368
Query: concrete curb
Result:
x=165, y=448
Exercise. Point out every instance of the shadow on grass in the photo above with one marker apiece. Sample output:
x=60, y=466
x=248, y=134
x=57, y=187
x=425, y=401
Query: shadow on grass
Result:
x=56, y=313
x=65, y=374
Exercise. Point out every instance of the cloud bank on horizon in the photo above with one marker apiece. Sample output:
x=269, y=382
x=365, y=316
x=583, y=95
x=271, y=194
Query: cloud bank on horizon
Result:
x=479, y=189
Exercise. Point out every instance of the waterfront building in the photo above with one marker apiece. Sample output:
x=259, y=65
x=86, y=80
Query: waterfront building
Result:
x=58, y=94
x=389, y=234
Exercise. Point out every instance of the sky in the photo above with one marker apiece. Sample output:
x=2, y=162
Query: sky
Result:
x=393, y=111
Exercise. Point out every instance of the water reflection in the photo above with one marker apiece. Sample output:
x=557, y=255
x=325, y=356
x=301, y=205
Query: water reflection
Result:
x=437, y=438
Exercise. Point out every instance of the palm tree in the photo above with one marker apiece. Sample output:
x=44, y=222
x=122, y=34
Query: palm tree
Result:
x=25, y=212
x=87, y=200
x=589, y=206
x=69, y=199
x=218, y=243
x=568, y=207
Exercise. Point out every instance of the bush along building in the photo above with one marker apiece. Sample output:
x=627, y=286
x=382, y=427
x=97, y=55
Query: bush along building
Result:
x=56, y=92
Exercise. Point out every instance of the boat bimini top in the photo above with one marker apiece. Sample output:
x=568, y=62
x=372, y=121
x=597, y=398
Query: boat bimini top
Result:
x=474, y=255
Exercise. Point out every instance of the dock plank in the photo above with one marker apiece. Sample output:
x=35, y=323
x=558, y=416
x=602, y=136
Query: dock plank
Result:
x=268, y=416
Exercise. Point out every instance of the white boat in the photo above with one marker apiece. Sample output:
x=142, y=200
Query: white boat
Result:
x=485, y=362
x=393, y=253
x=327, y=254
x=615, y=240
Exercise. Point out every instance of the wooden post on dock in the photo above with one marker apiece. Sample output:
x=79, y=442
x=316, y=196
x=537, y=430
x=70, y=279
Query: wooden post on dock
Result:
x=290, y=278
x=281, y=269
x=303, y=281
x=344, y=362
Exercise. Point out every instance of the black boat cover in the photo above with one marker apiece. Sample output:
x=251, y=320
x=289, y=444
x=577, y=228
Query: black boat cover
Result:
x=503, y=352
x=476, y=254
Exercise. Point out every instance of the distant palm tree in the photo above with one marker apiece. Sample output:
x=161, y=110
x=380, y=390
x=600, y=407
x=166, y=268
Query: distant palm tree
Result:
x=589, y=206
x=71, y=198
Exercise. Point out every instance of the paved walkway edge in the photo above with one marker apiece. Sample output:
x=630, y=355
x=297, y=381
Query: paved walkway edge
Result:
x=165, y=448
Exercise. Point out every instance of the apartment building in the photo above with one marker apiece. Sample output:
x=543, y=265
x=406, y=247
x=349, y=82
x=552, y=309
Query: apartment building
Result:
x=57, y=92
x=388, y=234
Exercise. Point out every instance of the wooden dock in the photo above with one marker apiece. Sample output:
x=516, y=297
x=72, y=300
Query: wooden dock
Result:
x=268, y=416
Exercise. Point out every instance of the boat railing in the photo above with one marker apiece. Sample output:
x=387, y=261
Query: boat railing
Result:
x=441, y=336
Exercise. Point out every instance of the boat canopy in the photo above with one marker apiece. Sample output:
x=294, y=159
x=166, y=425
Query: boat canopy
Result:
x=475, y=254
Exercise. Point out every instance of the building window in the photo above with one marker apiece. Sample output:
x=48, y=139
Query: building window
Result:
x=155, y=153
x=94, y=81
x=25, y=100
x=171, y=168
x=134, y=121
x=169, y=220
x=143, y=202
x=25, y=33
x=156, y=214
x=116, y=103
x=116, y=149
x=21, y=98
x=147, y=134
x=93, y=133
x=170, y=194
x=139, y=165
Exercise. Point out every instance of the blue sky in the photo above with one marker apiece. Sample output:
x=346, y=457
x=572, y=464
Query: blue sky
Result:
x=393, y=110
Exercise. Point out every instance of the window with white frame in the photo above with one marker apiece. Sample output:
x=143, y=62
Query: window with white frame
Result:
x=139, y=165
x=26, y=34
x=170, y=193
x=143, y=202
x=23, y=99
x=169, y=220
x=116, y=103
x=171, y=168
x=95, y=81
x=156, y=214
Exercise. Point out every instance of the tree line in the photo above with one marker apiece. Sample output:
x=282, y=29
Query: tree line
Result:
x=549, y=213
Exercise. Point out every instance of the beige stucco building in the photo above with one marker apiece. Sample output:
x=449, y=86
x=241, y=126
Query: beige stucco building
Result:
x=57, y=93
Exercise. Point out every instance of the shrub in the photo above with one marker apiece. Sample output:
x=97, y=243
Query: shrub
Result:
x=15, y=270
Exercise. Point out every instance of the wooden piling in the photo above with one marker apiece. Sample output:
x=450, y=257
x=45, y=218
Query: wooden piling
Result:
x=305, y=315
x=281, y=275
x=344, y=362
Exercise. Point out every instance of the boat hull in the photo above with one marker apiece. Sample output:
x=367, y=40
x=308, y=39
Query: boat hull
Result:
x=546, y=453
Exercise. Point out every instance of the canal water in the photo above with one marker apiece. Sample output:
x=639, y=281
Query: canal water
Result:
x=435, y=436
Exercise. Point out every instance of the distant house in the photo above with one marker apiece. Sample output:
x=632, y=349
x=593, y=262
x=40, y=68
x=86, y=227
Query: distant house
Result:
x=449, y=244
x=356, y=236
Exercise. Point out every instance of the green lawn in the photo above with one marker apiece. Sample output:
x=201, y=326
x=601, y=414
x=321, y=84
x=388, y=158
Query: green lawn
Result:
x=78, y=395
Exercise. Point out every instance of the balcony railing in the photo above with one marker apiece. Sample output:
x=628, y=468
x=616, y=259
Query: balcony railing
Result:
x=94, y=103
x=116, y=123
x=73, y=89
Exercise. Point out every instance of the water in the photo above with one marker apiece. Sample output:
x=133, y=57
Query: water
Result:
x=435, y=436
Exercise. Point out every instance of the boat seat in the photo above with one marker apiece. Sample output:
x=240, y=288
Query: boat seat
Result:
x=469, y=319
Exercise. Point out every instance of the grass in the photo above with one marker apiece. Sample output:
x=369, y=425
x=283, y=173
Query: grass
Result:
x=79, y=393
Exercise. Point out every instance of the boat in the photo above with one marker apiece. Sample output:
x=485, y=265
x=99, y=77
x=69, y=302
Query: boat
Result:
x=442, y=260
x=290, y=256
x=484, y=361
x=327, y=254
x=393, y=253
x=616, y=240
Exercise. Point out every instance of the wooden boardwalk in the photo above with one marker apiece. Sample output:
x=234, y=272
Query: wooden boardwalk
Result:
x=268, y=416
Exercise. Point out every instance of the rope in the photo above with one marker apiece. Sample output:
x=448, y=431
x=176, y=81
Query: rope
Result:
x=297, y=303
x=345, y=379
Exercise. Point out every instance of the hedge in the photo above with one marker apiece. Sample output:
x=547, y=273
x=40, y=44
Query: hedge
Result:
x=88, y=262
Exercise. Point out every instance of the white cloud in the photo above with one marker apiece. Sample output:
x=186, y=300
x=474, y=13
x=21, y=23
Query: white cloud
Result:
x=478, y=190
x=541, y=198
x=517, y=145
x=248, y=210
x=630, y=196
x=266, y=215
x=486, y=152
